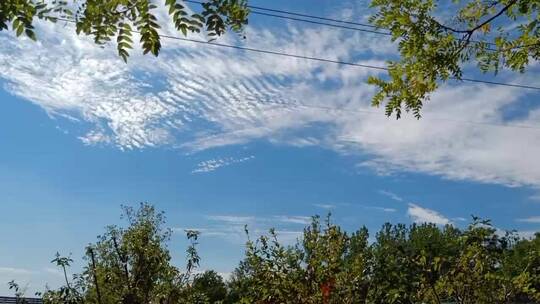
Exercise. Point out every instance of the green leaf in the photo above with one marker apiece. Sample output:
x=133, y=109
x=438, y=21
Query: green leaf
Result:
x=30, y=34
x=20, y=30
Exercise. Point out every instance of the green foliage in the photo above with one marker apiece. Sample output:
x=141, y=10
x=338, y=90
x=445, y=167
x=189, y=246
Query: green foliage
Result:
x=130, y=265
x=67, y=294
x=211, y=285
x=328, y=266
x=106, y=19
x=20, y=14
x=415, y=264
x=18, y=291
x=494, y=34
x=420, y=263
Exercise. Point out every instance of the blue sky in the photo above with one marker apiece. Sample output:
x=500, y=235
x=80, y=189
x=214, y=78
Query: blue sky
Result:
x=220, y=138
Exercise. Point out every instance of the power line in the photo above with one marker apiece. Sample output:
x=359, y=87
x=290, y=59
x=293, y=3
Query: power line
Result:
x=323, y=23
x=375, y=31
x=277, y=53
x=301, y=15
x=385, y=33
x=356, y=65
x=522, y=86
x=337, y=61
x=340, y=62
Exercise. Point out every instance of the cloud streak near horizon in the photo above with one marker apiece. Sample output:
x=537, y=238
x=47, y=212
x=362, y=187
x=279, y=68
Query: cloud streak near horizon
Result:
x=420, y=214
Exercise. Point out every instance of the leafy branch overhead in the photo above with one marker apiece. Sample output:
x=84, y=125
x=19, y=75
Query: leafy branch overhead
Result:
x=493, y=34
x=436, y=39
x=105, y=20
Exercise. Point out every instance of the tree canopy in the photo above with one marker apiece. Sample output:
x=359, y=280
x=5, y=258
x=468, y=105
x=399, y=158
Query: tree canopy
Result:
x=402, y=264
x=420, y=263
x=105, y=20
x=435, y=46
x=130, y=265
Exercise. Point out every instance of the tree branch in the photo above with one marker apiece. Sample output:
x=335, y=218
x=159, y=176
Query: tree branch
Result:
x=94, y=273
x=472, y=30
x=504, y=9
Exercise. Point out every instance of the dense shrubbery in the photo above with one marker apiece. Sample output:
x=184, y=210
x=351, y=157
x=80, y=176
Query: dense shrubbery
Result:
x=403, y=264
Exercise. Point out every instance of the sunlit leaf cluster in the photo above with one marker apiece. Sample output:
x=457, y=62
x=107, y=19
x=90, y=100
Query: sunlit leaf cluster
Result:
x=108, y=20
x=19, y=15
x=434, y=48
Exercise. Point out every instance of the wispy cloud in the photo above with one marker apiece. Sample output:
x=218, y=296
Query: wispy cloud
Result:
x=54, y=271
x=32, y=280
x=304, y=220
x=424, y=215
x=232, y=219
x=212, y=232
x=391, y=195
x=325, y=206
x=532, y=219
x=15, y=271
x=241, y=219
x=535, y=197
x=244, y=96
x=216, y=163
x=384, y=209
x=527, y=234
x=232, y=227
x=236, y=233
x=288, y=236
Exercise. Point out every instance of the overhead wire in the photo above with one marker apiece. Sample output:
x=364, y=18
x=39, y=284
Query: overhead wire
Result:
x=367, y=66
x=301, y=15
x=340, y=62
x=323, y=23
x=356, y=65
x=375, y=29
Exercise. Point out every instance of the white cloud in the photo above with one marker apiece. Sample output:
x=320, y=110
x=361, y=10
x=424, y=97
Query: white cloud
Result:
x=95, y=137
x=304, y=220
x=31, y=280
x=391, y=195
x=454, y=150
x=242, y=220
x=288, y=236
x=535, y=197
x=54, y=271
x=383, y=209
x=527, y=234
x=532, y=219
x=232, y=227
x=232, y=219
x=212, y=232
x=213, y=164
x=325, y=206
x=225, y=275
x=423, y=215
x=15, y=271
x=196, y=98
